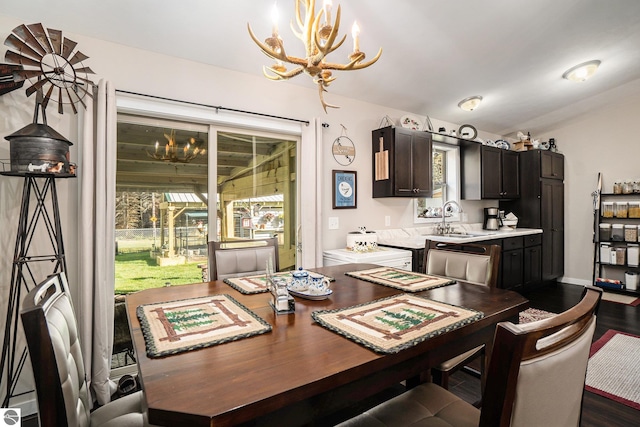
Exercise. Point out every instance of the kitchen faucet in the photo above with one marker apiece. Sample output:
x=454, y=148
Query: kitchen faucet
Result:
x=444, y=228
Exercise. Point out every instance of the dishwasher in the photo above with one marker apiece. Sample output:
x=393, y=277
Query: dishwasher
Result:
x=387, y=257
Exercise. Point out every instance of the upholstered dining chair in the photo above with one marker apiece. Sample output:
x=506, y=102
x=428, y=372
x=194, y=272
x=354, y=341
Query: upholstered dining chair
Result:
x=536, y=377
x=237, y=258
x=473, y=263
x=51, y=333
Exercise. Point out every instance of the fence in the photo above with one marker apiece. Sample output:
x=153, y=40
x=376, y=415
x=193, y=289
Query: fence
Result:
x=143, y=239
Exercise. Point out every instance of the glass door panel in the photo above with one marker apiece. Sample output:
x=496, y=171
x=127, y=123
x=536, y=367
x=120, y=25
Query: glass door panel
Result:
x=257, y=190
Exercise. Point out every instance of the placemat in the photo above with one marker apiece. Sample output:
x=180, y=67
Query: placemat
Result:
x=175, y=326
x=401, y=279
x=256, y=284
x=395, y=323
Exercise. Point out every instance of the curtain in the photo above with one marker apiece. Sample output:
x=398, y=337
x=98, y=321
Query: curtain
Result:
x=96, y=238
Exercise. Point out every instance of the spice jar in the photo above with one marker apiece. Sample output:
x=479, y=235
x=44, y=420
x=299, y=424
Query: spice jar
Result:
x=631, y=233
x=636, y=186
x=607, y=209
x=633, y=255
x=622, y=210
x=627, y=187
x=617, y=232
x=617, y=188
x=605, y=232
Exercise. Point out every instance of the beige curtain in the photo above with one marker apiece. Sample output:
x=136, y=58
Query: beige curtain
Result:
x=96, y=245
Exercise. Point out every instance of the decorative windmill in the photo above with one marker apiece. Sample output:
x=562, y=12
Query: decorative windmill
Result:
x=54, y=69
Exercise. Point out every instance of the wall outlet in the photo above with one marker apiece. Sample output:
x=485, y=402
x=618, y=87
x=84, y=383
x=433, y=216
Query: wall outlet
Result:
x=387, y=221
x=334, y=223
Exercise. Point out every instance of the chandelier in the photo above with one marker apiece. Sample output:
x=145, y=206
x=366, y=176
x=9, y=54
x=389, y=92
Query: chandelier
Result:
x=174, y=154
x=319, y=39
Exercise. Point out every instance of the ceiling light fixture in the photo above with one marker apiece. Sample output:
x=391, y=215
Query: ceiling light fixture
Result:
x=581, y=72
x=471, y=103
x=319, y=39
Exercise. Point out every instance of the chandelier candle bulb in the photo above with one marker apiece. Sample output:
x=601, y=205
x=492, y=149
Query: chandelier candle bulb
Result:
x=327, y=12
x=355, y=33
x=274, y=19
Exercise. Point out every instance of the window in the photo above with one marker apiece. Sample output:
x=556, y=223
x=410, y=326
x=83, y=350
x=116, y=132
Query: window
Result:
x=446, y=184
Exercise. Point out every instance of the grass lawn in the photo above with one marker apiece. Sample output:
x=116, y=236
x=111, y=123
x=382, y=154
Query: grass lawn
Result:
x=136, y=271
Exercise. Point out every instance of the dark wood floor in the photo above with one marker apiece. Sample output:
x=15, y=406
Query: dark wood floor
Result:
x=597, y=411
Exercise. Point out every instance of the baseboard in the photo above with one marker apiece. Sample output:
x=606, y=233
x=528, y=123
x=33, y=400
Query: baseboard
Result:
x=575, y=281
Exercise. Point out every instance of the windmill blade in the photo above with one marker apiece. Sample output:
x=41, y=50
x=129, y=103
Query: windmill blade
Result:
x=22, y=75
x=85, y=70
x=72, y=102
x=7, y=82
x=55, y=38
x=37, y=85
x=60, y=109
x=23, y=32
x=14, y=42
x=67, y=47
x=86, y=81
x=47, y=97
x=40, y=34
x=81, y=88
x=78, y=57
x=16, y=58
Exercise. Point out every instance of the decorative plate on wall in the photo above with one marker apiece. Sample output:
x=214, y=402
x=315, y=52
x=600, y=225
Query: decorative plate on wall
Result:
x=467, y=132
x=410, y=122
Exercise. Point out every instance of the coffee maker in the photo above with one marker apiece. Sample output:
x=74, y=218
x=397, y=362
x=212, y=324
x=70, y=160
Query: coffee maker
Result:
x=492, y=219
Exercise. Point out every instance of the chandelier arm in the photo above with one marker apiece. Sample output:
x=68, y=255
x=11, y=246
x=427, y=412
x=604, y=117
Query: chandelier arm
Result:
x=321, y=91
x=353, y=65
x=299, y=17
x=279, y=75
x=309, y=47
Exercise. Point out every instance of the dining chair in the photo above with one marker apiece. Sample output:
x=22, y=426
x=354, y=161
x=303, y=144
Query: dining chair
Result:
x=536, y=377
x=472, y=263
x=236, y=258
x=51, y=333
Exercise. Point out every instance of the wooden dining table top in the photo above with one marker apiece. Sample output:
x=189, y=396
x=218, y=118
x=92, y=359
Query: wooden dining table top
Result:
x=298, y=362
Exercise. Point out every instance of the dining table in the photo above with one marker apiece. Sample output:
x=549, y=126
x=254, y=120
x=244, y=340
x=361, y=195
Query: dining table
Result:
x=299, y=371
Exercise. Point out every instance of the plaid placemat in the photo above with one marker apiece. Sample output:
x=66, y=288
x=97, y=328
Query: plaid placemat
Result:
x=175, y=326
x=256, y=284
x=395, y=323
x=401, y=279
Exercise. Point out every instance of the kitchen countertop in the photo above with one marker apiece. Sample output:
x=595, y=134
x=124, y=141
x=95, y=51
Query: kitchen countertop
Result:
x=418, y=241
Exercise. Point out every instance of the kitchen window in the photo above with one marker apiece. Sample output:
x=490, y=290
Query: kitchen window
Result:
x=446, y=185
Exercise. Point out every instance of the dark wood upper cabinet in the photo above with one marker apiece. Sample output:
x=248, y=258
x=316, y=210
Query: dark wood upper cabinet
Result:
x=401, y=163
x=489, y=173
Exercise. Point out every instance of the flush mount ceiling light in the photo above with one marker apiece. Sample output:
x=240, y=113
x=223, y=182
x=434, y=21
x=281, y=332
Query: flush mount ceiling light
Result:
x=471, y=103
x=581, y=72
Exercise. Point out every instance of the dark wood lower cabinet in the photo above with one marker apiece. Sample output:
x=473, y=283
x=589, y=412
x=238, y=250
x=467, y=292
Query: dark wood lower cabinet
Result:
x=520, y=260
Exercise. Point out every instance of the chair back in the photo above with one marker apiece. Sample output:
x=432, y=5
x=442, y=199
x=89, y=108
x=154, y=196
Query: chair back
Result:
x=237, y=258
x=537, y=370
x=469, y=262
x=51, y=333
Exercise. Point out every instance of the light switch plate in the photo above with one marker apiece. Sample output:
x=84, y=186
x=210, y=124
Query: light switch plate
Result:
x=334, y=223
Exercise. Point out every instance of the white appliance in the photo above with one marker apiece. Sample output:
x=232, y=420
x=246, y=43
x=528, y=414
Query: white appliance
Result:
x=387, y=257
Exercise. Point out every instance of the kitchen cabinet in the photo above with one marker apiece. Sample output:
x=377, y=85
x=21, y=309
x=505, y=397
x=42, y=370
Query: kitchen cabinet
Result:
x=520, y=261
x=541, y=205
x=489, y=173
x=401, y=163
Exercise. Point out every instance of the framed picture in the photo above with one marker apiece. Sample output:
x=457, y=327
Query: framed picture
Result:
x=344, y=190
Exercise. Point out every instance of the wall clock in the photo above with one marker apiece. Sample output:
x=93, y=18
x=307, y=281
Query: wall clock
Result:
x=343, y=150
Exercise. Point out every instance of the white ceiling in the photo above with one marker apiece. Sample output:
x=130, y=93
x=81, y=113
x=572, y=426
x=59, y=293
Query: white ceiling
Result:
x=435, y=53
